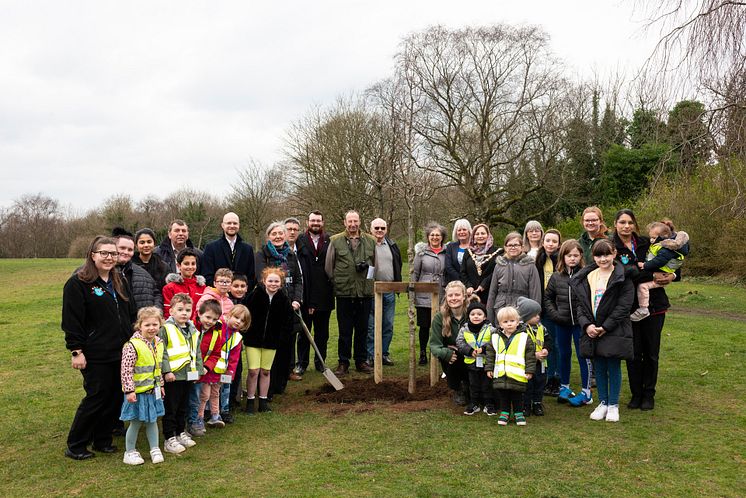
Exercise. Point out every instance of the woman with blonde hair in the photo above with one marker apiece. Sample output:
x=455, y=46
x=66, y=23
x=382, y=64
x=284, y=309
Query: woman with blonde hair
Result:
x=443, y=334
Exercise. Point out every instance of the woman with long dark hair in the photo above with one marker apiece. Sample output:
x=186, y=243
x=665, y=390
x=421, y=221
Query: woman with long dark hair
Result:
x=97, y=317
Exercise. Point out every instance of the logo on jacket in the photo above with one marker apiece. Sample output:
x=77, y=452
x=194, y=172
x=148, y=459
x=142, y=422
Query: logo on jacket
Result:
x=624, y=259
x=98, y=291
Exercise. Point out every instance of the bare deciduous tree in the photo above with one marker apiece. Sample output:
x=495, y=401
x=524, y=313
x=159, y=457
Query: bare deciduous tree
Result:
x=257, y=196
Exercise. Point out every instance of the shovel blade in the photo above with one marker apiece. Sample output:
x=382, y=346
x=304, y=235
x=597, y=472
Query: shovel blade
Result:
x=333, y=380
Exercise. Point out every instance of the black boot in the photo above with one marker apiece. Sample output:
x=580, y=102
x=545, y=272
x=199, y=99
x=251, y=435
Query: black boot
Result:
x=250, y=406
x=264, y=406
x=648, y=403
x=423, y=358
x=634, y=403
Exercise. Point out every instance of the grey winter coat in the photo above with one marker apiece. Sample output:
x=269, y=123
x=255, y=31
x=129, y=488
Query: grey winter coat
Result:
x=145, y=291
x=511, y=279
x=428, y=267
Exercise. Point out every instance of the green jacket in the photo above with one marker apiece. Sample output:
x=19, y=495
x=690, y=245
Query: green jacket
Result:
x=343, y=261
x=438, y=343
x=586, y=243
x=506, y=382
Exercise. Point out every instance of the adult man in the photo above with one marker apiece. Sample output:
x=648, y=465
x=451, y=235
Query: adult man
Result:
x=388, y=269
x=229, y=251
x=318, y=290
x=349, y=259
x=177, y=240
x=285, y=358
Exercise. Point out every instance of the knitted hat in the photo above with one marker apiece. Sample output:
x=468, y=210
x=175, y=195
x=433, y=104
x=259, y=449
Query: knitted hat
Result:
x=474, y=306
x=528, y=308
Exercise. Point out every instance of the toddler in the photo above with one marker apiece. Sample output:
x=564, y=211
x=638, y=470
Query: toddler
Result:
x=471, y=341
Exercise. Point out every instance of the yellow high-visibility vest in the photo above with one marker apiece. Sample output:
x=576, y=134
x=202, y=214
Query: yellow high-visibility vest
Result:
x=222, y=364
x=180, y=353
x=147, y=365
x=538, y=337
x=472, y=340
x=510, y=360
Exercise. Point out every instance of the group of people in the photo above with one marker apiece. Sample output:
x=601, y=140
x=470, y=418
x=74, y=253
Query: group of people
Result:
x=172, y=327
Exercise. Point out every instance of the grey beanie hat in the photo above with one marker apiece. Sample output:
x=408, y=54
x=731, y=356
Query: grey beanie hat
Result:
x=528, y=308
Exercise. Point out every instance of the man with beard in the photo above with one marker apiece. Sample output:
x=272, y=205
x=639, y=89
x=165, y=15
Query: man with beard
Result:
x=349, y=261
x=318, y=290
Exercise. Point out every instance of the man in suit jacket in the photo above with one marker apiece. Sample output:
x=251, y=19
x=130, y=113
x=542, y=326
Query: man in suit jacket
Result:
x=229, y=251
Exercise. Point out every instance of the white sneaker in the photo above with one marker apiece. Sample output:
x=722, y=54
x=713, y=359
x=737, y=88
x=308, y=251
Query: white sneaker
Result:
x=612, y=415
x=155, y=455
x=133, y=457
x=173, y=445
x=639, y=314
x=600, y=412
x=186, y=440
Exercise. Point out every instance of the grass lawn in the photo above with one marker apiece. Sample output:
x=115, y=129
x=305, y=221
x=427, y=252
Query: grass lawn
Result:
x=692, y=444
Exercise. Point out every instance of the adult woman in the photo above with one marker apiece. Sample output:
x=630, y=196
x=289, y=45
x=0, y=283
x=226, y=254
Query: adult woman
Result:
x=546, y=262
x=429, y=263
x=515, y=275
x=276, y=252
x=443, y=333
x=456, y=249
x=146, y=257
x=145, y=292
x=595, y=229
x=533, y=234
x=643, y=369
x=97, y=317
x=478, y=263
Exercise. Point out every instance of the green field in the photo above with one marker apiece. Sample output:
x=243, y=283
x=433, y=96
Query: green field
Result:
x=692, y=444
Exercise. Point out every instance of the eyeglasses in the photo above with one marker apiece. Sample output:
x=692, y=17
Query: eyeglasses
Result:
x=513, y=246
x=106, y=254
x=590, y=220
x=379, y=228
x=223, y=282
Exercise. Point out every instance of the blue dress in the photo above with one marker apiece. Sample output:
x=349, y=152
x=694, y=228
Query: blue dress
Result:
x=146, y=409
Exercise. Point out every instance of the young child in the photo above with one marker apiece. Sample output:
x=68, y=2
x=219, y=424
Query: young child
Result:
x=185, y=281
x=212, y=339
x=530, y=314
x=471, y=342
x=510, y=364
x=559, y=306
x=181, y=366
x=223, y=278
x=239, y=289
x=604, y=299
x=143, y=385
x=237, y=321
x=666, y=254
x=271, y=322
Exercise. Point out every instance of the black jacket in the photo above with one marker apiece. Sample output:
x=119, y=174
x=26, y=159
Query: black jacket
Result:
x=453, y=268
x=318, y=289
x=94, y=321
x=612, y=314
x=658, y=298
x=396, y=256
x=559, y=300
x=541, y=258
x=217, y=254
x=271, y=321
x=145, y=291
x=155, y=267
x=293, y=278
x=471, y=278
x=166, y=253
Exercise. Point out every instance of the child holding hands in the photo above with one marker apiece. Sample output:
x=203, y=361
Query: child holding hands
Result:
x=143, y=385
x=471, y=341
x=510, y=364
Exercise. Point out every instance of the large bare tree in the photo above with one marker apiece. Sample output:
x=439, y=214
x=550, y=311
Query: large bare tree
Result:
x=257, y=196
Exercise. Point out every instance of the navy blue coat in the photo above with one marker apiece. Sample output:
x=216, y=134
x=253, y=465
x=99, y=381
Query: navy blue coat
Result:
x=217, y=254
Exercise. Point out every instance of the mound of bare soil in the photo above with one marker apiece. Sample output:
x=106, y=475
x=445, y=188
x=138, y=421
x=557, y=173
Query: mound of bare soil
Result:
x=392, y=390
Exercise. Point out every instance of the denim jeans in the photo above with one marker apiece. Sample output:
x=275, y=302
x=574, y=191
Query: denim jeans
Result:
x=225, y=397
x=553, y=369
x=565, y=335
x=608, y=379
x=387, y=328
x=194, y=389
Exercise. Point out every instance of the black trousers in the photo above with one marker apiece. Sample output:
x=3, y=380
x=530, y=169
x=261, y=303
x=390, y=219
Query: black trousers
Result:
x=283, y=362
x=236, y=384
x=480, y=387
x=352, y=319
x=642, y=371
x=457, y=376
x=318, y=325
x=507, y=399
x=424, y=318
x=99, y=409
x=175, y=402
x=535, y=387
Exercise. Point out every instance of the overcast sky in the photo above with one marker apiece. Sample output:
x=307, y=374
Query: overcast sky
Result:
x=102, y=97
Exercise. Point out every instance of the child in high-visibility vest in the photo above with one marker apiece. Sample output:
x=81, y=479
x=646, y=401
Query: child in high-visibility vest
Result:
x=471, y=342
x=237, y=321
x=666, y=254
x=530, y=312
x=181, y=366
x=510, y=364
x=211, y=331
x=142, y=385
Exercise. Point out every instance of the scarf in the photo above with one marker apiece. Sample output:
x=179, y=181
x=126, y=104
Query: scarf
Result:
x=474, y=249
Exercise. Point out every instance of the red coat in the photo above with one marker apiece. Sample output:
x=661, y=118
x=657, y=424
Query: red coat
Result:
x=175, y=284
x=209, y=361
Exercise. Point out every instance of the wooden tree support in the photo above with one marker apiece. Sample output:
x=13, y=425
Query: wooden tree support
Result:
x=381, y=288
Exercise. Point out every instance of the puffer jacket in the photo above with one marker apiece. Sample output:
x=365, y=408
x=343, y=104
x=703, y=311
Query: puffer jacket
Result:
x=175, y=284
x=612, y=314
x=145, y=290
x=511, y=279
x=226, y=304
x=506, y=382
x=559, y=299
x=428, y=267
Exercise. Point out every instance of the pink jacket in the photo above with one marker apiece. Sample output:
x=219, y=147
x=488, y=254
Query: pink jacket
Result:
x=225, y=301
